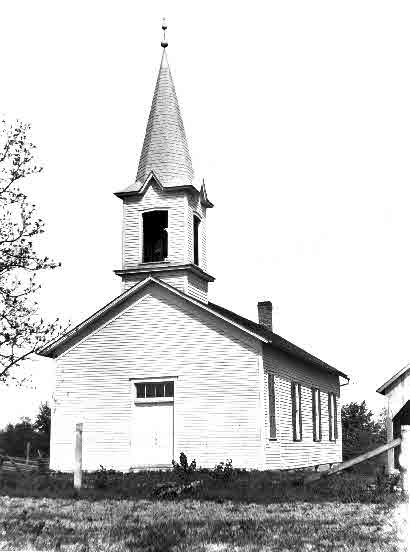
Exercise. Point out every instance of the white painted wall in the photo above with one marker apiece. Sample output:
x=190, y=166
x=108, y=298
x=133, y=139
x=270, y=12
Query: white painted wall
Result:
x=286, y=453
x=154, y=198
x=217, y=391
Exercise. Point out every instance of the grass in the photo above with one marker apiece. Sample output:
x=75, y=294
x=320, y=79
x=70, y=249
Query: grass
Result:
x=249, y=511
x=192, y=525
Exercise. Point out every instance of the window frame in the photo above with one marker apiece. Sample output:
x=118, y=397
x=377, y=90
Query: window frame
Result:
x=316, y=414
x=272, y=408
x=332, y=414
x=144, y=400
x=196, y=225
x=296, y=411
x=141, y=233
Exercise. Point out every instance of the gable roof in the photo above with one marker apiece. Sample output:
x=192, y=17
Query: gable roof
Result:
x=59, y=345
x=279, y=342
x=385, y=388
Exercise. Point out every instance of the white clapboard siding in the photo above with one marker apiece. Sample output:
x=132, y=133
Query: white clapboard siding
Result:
x=178, y=281
x=217, y=400
x=154, y=198
x=197, y=287
x=285, y=453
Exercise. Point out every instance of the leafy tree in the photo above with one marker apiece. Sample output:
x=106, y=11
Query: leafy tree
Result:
x=14, y=438
x=22, y=330
x=42, y=422
x=360, y=431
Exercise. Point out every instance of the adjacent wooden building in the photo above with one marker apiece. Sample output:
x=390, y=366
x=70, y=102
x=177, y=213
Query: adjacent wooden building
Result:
x=161, y=369
x=397, y=391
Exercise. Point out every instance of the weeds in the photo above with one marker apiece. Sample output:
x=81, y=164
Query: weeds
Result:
x=223, y=471
x=183, y=470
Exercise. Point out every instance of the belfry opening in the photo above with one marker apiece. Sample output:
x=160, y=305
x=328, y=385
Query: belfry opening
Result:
x=155, y=236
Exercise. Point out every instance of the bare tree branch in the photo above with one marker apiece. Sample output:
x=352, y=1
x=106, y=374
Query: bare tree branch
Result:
x=22, y=330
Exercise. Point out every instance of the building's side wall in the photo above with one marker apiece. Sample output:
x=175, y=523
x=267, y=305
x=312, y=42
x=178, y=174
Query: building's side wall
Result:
x=217, y=391
x=285, y=453
x=399, y=394
x=154, y=198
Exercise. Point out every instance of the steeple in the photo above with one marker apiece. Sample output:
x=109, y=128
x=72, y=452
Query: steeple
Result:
x=165, y=150
x=164, y=229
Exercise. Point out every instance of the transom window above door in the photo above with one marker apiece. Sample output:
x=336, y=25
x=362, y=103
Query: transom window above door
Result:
x=154, y=390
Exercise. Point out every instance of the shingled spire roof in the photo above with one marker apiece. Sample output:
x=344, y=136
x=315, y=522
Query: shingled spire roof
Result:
x=165, y=150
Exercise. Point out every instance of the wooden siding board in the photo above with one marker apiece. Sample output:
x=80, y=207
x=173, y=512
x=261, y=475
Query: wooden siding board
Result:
x=217, y=401
x=154, y=198
x=285, y=453
x=178, y=281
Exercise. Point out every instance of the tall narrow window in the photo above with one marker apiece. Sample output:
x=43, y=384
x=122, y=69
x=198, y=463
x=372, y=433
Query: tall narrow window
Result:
x=272, y=410
x=197, y=221
x=332, y=409
x=155, y=225
x=296, y=411
x=316, y=415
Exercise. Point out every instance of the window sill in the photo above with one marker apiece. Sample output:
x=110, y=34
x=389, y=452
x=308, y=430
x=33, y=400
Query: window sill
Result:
x=165, y=261
x=272, y=439
x=154, y=400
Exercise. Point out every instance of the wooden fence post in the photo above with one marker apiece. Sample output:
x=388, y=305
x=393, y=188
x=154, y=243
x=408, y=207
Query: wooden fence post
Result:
x=27, y=452
x=78, y=464
x=404, y=457
x=390, y=453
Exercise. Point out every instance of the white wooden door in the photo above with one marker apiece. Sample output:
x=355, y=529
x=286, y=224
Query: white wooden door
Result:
x=153, y=434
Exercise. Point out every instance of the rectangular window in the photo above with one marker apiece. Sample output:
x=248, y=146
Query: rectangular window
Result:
x=154, y=390
x=316, y=415
x=197, y=221
x=272, y=410
x=155, y=236
x=332, y=409
x=296, y=411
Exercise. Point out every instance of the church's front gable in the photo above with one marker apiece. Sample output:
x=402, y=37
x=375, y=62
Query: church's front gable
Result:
x=214, y=369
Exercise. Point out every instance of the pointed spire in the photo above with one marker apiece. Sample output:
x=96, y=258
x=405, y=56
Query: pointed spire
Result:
x=165, y=149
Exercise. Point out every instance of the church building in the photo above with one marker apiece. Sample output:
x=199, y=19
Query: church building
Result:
x=161, y=369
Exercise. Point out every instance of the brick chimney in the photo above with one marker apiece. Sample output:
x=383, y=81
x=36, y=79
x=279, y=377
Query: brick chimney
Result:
x=265, y=314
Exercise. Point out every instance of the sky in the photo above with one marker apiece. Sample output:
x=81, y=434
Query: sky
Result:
x=297, y=115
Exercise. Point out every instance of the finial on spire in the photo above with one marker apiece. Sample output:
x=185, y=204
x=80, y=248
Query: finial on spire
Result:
x=164, y=43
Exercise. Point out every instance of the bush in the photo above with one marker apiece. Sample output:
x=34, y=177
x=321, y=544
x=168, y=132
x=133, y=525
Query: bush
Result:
x=183, y=469
x=223, y=471
x=101, y=478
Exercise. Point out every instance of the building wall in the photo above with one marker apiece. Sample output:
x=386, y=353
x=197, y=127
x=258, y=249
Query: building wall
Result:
x=176, y=204
x=178, y=281
x=218, y=390
x=181, y=208
x=285, y=453
x=197, y=287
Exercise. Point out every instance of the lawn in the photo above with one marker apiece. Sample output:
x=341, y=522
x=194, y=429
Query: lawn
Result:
x=89, y=525
x=200, y=510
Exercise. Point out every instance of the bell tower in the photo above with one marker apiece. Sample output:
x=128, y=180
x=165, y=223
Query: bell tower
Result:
x=164, y=209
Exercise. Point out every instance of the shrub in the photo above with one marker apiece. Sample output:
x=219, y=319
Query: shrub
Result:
x=101, y=478
x=386, y=483
x=184, y=469
x=223, y=471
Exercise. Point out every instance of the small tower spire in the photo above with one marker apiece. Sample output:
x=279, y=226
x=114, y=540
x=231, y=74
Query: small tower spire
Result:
x=164, y=42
